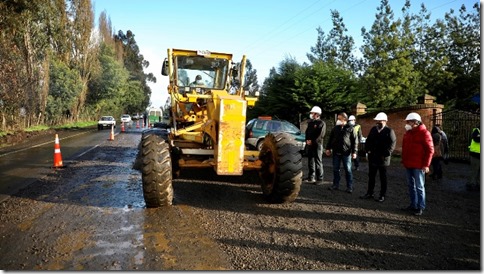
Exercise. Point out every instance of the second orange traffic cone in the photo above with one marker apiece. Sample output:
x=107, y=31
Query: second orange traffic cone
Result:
x=122, y=127
x=57, y=153
x=111, y=135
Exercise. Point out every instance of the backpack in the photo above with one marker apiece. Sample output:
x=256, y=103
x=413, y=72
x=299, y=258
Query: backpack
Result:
x=438, y=144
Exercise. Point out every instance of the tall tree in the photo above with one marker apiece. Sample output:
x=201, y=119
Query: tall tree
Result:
x=135, y=62
x=326, y=85
x=108, y=87
x=337, y=47
x=59, y=31
x=25, y=45
x=106, y=30
x=250, y=82
x=11, y=62
x=84, y=51
x=463, y=33
x=64, y=90
x=429, y=56
x=293, y=89
x=389, y=77
x=276, y=98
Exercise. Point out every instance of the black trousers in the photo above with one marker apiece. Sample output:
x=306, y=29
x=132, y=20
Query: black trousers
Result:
x=436, y=167
x=372, y=170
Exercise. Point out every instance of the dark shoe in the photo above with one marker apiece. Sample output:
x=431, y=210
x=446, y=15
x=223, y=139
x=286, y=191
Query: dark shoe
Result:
x=366, y=196
x=356, y=168
x=471, y=187
x=349, y=190
x=381, y=199
x=333, y=188
x=418, y=212
x=318, y=183
x=409, y=208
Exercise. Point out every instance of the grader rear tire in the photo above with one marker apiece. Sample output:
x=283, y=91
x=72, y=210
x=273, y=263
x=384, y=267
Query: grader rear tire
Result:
x=156, y=171
x=281, y=170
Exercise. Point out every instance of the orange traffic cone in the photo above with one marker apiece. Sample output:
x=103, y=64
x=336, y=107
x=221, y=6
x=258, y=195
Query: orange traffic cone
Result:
x=137, y=124
x=57, y=153
x=122, y=127
x=111, y=135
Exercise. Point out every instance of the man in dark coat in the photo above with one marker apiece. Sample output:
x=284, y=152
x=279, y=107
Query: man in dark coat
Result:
x=314, y=146
x=379, y=146
x=343, y=144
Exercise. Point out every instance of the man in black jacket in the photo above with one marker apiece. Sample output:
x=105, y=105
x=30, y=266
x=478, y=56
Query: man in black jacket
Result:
x=314, y=146
x=344, y=145
x=379, y=145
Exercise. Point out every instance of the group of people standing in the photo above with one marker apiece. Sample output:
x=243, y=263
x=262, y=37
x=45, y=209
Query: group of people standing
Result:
x=421, y=149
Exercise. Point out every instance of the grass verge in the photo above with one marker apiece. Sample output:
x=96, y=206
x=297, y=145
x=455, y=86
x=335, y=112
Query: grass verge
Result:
x=44, y=127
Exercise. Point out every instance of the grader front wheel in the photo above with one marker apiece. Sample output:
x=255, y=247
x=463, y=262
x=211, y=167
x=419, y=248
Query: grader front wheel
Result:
x=281, y=170
x=156, y=171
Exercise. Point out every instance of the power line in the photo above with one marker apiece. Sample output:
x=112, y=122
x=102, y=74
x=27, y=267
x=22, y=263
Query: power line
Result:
x=293, y=26
x=300, y=33
x=443, y=5
x=256, y=42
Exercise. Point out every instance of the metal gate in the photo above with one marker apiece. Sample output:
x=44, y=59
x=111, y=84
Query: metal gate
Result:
x=457, y=125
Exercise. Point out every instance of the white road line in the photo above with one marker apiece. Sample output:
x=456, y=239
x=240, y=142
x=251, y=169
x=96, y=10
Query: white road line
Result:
x=38, y=145
x=87, y=151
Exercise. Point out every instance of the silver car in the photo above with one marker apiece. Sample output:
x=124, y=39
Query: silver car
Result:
x=106, y=121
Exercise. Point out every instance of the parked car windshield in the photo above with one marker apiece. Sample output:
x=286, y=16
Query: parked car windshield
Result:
x=288, y=127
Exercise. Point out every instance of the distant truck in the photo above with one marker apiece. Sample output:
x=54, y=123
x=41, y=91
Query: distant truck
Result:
x=154, y=115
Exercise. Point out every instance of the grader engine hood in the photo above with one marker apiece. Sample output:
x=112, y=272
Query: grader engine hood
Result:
x=231, y=131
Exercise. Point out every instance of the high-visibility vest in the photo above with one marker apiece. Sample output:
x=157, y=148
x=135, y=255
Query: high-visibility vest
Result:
x=357, y=127
x=475, y=146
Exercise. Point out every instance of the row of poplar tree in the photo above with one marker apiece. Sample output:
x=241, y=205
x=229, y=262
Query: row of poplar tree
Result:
x=401, y=60
x=55, y=67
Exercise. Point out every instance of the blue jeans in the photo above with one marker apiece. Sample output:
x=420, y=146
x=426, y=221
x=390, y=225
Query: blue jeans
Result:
x=416, y=187
x=346, y=160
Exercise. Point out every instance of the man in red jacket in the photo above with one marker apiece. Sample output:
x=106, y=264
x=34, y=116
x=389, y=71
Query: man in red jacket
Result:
x=417, y=151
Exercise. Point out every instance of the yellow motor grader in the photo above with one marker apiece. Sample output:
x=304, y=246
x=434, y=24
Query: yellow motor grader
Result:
x=206, y=129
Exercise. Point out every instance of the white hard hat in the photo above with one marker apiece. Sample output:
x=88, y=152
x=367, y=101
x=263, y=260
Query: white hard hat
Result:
x=316, y=109
x=381, y=117
x=413, y=116
x=352, y=118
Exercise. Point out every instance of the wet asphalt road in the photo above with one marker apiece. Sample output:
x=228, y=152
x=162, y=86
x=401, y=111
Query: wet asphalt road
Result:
x=91, y=215
x=23, y=164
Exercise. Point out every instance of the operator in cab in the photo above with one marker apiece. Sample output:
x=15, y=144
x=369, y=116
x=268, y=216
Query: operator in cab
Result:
x=198, y=82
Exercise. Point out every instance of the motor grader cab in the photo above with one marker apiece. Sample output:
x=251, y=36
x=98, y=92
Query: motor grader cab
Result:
x=206, y=130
